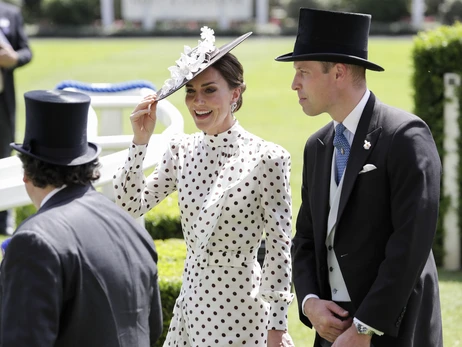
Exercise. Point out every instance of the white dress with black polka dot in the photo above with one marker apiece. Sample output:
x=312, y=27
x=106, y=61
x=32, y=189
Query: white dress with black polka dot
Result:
x=232, y=189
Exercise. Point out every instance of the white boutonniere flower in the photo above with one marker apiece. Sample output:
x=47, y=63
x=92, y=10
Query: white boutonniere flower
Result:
x=366, y=145
x=191, y=61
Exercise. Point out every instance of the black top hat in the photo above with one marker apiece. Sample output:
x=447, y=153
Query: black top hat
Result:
x=211, y=58
x=339, y=37
x=56, y=128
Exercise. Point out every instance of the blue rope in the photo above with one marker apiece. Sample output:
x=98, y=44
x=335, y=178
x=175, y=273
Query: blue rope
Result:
x=112, y=88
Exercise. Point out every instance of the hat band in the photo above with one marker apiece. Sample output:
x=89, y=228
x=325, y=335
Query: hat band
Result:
x=328, y=48
x=58, y=153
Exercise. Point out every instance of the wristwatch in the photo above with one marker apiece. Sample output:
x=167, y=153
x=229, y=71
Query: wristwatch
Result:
x=362, y=329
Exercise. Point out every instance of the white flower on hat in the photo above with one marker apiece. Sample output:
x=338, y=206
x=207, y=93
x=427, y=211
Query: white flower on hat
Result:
x=190, y=62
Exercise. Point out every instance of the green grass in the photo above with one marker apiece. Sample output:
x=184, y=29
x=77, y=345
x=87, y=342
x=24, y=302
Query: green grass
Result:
x=270, y=107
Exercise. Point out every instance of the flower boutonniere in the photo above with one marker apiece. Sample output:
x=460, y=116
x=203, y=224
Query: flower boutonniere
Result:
x=367, y=145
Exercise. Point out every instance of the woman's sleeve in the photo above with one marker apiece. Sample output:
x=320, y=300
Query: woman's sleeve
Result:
x=277, y=204
x=137, y=194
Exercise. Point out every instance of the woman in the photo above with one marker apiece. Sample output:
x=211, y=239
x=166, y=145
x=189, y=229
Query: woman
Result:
x=232, y=187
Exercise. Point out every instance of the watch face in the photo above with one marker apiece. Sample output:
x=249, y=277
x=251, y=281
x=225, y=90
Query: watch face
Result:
x=363, y=329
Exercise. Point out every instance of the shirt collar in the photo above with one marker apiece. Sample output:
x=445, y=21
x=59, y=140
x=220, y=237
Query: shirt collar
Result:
x=352, y=120
x=226, y=138
x=50, y=194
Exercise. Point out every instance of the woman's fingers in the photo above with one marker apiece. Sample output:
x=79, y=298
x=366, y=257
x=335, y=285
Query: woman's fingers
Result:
x=137, y=114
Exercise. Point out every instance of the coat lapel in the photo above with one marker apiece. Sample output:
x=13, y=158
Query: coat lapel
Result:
x=367, y=130
x=322, y=172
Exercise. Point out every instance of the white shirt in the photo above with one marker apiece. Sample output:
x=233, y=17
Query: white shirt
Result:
x=50, y=194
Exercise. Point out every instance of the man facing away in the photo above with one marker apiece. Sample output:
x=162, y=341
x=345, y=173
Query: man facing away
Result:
x=81, y=271
x=364, y=271
x=14, y=52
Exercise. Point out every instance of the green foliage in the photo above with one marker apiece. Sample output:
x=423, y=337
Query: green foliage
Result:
x=172, y=254
x=23, y=212
x=382, y=11
x=451, y=11
x=32, y=10
x=71, y=12
x=436, y=53
x=169, y=291
x=432, y=7
x=163, y=221
x=293, y=7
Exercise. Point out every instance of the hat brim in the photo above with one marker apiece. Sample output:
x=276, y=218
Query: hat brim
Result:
x=331, y=57
x=216, y=55
x=92, y=153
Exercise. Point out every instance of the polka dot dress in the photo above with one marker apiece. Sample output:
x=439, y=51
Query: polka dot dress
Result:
x=233, y=190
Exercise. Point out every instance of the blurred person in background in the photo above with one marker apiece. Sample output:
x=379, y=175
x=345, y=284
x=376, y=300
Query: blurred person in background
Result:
x=14, y=52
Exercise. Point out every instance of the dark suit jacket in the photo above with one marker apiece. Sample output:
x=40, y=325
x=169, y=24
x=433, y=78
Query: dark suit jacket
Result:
x=81, y=272
x=385, y=227
x=15, y=34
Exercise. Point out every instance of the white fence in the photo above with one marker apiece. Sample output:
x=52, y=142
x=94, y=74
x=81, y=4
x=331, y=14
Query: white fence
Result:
x=105, y=127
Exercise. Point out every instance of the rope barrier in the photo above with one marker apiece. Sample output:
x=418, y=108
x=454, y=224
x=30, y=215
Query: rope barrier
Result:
x=107, y=88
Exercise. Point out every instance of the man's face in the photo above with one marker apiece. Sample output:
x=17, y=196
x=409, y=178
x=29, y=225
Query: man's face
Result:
x=315, y=86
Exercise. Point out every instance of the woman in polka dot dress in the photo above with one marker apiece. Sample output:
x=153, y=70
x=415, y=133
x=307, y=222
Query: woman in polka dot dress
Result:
x=233, y=188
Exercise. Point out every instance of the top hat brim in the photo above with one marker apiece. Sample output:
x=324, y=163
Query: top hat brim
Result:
x=216, y=55
x=331, y=57
x=93, y=151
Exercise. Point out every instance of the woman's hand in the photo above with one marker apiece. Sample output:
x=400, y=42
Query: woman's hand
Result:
x=143, y=119
x=279, y=338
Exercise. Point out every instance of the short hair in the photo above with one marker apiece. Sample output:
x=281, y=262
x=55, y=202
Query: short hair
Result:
x=232, y=71
x=44, y=174
x=357, y=72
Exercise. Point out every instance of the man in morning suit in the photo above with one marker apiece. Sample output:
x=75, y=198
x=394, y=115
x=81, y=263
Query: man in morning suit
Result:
x=364, y=271
x=14, y=52
x=81, y=271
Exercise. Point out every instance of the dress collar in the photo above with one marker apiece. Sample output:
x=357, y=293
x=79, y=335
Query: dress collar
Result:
x=227, y=138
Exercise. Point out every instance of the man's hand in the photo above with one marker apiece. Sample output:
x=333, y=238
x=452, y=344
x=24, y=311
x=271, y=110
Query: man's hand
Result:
x=328, y=318
x=8, y=56
x=279, y=338
x=351, y=338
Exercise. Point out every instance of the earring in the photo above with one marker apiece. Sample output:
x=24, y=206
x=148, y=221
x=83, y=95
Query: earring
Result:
x=233, y=107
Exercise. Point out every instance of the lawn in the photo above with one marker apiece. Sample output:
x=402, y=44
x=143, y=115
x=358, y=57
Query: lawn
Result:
x=270, y=107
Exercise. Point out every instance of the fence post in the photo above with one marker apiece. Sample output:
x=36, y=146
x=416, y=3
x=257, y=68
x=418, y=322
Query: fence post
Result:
x=451, y=161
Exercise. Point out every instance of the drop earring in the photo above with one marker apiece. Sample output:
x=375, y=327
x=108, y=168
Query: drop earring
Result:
x=233, y=108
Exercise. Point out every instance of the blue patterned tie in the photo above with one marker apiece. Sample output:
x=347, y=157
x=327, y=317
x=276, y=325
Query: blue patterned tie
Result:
x=343, y=151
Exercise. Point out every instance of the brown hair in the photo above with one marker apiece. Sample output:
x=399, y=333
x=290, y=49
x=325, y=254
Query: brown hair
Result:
x=357, y=72
x=44, y=174
x=233, y=73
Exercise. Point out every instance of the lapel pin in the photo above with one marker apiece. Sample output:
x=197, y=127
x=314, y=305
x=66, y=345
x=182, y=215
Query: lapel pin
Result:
x=366, y=145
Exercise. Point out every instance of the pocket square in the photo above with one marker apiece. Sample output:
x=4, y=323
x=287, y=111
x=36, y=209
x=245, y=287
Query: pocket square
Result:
x=367, y=168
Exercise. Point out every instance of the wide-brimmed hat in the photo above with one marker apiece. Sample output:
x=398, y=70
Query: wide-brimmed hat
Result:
x=339, y=37
x=56, y=128
x=195, y=60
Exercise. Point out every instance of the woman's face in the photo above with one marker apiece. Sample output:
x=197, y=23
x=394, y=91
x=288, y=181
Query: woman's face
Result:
x=209, y=100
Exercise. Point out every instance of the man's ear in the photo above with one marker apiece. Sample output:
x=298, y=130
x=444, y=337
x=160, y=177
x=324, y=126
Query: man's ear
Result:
x=340, y=71
x=25, y=179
